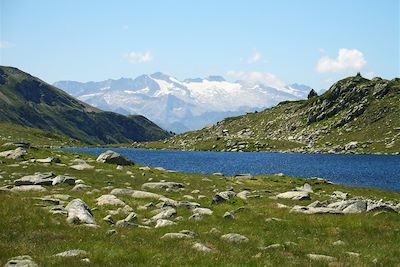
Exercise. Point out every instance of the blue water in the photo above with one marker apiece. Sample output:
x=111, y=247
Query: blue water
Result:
x=379, y=171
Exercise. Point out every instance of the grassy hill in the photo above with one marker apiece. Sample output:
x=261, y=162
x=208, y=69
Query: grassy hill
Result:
x=355, y=115
x=28, y=101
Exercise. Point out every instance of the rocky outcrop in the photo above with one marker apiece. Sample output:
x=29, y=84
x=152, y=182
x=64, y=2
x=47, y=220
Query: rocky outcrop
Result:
x=17, y=153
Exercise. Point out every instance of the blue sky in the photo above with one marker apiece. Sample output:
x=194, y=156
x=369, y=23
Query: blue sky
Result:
x=310, y=42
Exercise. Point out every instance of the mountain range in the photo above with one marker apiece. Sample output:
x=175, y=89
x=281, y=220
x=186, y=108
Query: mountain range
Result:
x=29, y=101
x=181, y=105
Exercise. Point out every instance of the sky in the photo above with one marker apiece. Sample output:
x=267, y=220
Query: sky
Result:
x=282, y=41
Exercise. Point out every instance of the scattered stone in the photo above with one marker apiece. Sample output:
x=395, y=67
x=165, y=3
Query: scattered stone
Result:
x=79, y=212
x=63, y=179
x=109, y=219
x=202, y=211
x=294, y=195
x=214, y=231
x=165, y=213
x=80, y=187
x=26, y=188
x=21, y=261
x=112, y=157
x=245, y=176
x=315, y=210
x=272, y=246
x=82, y=166
x=319, y=257
x=243, y=194
x=38, y=178
x=196, y=217
x=353, y=254
x=281, y=206
x=234, y=238
x=357, y=207
x=306, y=188
x=223, y=196
x=109, y=200
x=72, y=253
x=339, y=243
x=163, y=223
x=119, y=168
x=162, y=185
x=52, y=159
x=339, y=194
x=111, y=232
x=176, y=236
x=14, y=154
x=201, y=247
x=228, y=216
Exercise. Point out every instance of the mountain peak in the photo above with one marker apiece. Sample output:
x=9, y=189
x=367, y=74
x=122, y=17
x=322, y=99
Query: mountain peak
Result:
x=160, y=76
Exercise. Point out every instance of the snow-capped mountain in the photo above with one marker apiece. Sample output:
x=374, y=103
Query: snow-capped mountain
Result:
x=181, y=105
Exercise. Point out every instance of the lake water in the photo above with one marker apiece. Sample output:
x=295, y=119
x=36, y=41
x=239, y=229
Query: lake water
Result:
x=379, y=171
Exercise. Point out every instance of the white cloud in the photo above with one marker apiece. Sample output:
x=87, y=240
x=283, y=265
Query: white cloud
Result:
x=139, y=57
x=265, y=78
x=255, y=57
x=347, y=59
x=4, y=44
x=369, y=75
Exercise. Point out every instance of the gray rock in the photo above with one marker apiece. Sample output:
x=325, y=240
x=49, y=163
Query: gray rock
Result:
x=339, y=243
x=165, y=213
x=306, y=188
x=26, y=188
x=162, y=185
x=196, y=217
x=201, y=247
x=113, y=158
x=223, y=196
x=72, y=253
x=81, y=187
x=122, y=191
x=21, y=261
x=243, y=194
x=315, y=210
x=228, y=216
x=144, y=194
x=202, y=211
x=79, y=212
x=63, y=179
x=234, y=238
x=45, y=178
x=108, y=219
x=357, y=207
x=82, y=166
x=319, y=257
x=294, y=195
x=52, y=159
x=176, y=236
x=244, y=176
x=163, y=223
x=272, y=246
x=14, y=154
x=109, y=200
x=339, y=194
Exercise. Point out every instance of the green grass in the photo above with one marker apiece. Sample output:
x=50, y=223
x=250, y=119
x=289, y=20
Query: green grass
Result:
x=26, y=228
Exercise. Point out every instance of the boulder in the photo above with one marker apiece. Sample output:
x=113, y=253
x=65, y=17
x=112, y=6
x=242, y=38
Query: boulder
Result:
x=201, y=247
x=356, y=207
x=112, y=157
x=109, y=200
x=339, y=194
x=243, y=194
x=79, y=212
x=59, y=179
x=165, y=213
x=176, y=236
x=52, y=159
x=144, y=194
x=21, y=261
x=72, y=253
x=223, y=196
x=38, y=178
x=122, y=191
x=163, y=223
x=26, y=188
x=294, y=195
x=234, y=238
x=202, y=211
x=306, y=188
x=319, y=257
x=14, y=154
x=315, y=210
x=82, y=166
x=162, y=185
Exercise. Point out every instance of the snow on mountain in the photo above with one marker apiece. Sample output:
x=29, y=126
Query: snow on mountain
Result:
x=181, y=105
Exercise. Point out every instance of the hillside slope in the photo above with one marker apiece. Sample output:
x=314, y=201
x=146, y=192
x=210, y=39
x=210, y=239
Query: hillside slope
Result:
x=354, y=115
x=28, y=101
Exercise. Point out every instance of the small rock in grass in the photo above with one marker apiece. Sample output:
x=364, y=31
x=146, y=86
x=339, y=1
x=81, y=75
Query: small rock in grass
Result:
x=234, y=238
